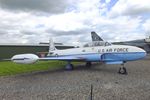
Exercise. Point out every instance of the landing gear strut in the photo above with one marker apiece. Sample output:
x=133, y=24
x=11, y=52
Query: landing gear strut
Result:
x=122, y=70
x=88, y=64
x=69, y=66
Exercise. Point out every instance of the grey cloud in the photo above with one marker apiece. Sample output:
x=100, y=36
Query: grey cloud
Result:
x=80, y=36
x=67, y=33
x=49, y=6
x=2, y=32
x=136, y=11
x=129, y=9
x=11, y=38
x=27, y=32
x=6, y=29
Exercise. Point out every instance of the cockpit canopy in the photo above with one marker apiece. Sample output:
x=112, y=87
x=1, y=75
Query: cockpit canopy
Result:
x=97, y=43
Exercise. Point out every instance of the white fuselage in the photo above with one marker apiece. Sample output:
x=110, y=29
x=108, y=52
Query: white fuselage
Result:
x=98, y=50
x=104, y=53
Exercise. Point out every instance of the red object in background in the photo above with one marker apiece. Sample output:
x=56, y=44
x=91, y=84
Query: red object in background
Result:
x=42, y=55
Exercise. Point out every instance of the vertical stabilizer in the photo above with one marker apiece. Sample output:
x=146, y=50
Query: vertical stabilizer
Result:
x=95, y=37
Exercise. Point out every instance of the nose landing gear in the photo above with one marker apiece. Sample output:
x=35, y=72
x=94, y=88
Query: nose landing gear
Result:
x=122, y=70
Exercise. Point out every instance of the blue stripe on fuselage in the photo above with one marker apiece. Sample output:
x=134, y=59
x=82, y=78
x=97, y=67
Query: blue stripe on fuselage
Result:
x=123, y=56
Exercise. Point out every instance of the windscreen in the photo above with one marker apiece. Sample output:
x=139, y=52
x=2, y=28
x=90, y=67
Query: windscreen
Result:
x=97, y=43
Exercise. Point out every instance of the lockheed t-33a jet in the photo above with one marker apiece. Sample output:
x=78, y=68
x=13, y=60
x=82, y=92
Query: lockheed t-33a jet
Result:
x=96, y=51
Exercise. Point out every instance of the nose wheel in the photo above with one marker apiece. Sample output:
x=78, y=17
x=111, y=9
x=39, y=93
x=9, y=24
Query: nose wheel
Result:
x=122, y=70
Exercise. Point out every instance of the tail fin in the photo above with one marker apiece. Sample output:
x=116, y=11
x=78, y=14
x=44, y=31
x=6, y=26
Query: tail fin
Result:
x=95, y=37
x=51, y=45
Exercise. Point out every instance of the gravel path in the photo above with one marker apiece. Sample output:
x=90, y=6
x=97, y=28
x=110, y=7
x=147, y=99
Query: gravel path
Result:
x=75, y=85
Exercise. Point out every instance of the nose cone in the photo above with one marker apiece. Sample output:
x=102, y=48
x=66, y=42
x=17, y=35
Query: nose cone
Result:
x=142, y=52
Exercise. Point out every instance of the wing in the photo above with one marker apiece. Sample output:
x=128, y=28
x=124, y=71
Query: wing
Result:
x=64, y=58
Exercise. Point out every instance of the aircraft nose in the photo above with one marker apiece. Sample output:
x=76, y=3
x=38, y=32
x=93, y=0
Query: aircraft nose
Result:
x=144, y=53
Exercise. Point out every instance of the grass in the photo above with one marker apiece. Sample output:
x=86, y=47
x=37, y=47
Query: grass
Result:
x=10, y=68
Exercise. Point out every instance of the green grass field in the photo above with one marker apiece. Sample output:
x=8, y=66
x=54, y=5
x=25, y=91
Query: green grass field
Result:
x=10, y=68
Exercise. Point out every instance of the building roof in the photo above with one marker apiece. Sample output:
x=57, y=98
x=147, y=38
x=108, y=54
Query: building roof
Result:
x=28, y=44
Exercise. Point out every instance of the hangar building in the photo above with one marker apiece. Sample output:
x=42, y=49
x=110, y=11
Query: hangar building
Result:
x=8, y=50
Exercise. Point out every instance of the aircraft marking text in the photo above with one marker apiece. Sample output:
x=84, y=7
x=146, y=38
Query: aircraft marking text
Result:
x=113, y=50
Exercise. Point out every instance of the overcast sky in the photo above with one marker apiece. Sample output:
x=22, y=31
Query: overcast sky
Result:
x=71, y=21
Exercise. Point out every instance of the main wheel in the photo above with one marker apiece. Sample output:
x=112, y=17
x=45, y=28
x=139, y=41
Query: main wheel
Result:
x=88, y=64
x=69, y=66
x=72, y=67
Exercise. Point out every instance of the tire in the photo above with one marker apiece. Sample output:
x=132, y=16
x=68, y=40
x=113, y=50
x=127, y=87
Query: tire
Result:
x=88, y=64
x=122, y=70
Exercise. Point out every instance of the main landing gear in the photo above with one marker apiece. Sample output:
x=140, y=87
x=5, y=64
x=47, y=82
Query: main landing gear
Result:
x=88, y=64
x=122, y=70
x=69, y=66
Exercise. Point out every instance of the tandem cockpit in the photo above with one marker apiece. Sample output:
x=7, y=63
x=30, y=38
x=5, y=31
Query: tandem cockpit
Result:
x=97, y=43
